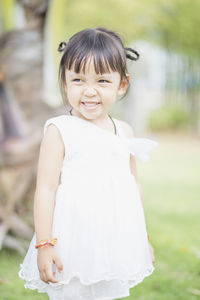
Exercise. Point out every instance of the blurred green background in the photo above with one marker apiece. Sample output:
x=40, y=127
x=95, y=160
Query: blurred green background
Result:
x=163, y=103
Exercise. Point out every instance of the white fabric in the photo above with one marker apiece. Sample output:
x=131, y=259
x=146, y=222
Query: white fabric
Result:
x=98, y=218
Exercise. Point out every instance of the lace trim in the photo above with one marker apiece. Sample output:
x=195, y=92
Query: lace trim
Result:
x=37, y=283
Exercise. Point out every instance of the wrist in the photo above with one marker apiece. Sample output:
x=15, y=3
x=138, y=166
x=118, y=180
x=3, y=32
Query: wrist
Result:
x=46, y=243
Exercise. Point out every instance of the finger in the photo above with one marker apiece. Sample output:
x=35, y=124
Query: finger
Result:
x=49, y=275
x=44, y=277
x=58, y=263
x=41, y=275
x=52, y=279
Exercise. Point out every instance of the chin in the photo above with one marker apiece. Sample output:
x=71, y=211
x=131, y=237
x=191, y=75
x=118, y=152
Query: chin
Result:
x=90, y=114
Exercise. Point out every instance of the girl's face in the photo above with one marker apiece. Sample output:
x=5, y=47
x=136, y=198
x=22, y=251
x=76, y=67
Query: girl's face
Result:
x=90, y=94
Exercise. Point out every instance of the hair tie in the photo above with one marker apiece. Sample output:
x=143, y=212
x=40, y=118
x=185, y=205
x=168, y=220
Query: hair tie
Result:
x=62, y=46
x=130, y=56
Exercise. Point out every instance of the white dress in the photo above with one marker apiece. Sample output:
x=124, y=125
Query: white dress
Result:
x=98, y=217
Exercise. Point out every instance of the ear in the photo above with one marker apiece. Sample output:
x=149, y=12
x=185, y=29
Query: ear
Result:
x=124, y=85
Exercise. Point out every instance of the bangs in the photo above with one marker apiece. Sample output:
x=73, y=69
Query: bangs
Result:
x=102, y=50
x=102, y=64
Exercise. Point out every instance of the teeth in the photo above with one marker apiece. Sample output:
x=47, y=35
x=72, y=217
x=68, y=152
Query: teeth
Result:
x=90, y=104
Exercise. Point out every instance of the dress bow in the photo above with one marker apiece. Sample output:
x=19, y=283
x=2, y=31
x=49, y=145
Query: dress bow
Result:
x=140, y=147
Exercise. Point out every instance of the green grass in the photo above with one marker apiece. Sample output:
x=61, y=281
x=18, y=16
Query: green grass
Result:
x=170, y=185
x=11, y=287
x=171, y=192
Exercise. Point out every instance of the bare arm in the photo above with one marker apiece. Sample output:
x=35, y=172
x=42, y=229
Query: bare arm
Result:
x=48, y=172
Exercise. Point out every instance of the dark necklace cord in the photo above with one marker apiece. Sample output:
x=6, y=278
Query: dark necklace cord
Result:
x=108, y=115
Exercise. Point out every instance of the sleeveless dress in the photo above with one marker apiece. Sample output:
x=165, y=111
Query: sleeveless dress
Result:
x=98, y=217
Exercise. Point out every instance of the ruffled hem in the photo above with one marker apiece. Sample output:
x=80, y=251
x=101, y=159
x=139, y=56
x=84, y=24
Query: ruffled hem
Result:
x=42, y=287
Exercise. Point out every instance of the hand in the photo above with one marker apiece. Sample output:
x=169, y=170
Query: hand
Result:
x=46, y=257
x=152, y=253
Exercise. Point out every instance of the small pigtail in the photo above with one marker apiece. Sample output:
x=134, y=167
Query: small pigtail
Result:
x=62, y=46
x=131, y=56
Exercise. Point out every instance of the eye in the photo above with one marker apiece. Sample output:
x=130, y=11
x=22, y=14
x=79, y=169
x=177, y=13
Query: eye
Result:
x=76, y=80
x=103, y=81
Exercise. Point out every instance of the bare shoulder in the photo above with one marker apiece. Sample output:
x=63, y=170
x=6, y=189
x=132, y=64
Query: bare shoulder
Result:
x=127, y=128
x=50, y=158
x=53, y=138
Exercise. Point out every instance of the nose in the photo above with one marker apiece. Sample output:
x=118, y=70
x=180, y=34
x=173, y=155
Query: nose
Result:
x=90, y=91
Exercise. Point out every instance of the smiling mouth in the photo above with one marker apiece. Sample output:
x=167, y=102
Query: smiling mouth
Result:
x=90, y=105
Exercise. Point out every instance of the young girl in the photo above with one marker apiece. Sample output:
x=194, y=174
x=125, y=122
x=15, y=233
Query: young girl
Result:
x=90, y=240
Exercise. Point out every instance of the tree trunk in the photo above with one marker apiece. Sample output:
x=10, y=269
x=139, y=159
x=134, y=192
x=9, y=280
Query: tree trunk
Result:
x=23, y=113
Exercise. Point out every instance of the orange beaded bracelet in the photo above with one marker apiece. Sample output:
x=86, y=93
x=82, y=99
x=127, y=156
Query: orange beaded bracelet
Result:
x=44, y=243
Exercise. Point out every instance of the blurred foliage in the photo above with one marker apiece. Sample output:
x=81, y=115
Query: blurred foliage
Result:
x=125, y=16
x=175, y=25
x=7, y=9
x=172, y=23
x=168, y=117
x=55, y=19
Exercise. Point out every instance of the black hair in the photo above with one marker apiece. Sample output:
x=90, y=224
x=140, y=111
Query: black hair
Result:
x=106, y=48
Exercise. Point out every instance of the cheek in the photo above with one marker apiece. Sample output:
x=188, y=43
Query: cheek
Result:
x=110, y=94
x=73, y=91
x=109, y=98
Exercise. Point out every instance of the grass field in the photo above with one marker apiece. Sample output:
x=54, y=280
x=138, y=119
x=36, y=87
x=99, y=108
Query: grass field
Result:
x=171, y=192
